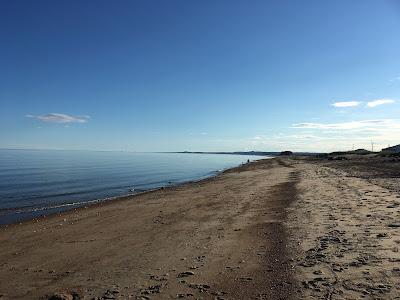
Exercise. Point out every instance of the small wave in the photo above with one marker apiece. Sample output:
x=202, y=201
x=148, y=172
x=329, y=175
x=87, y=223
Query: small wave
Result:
x=21, y=210
x=30, y=209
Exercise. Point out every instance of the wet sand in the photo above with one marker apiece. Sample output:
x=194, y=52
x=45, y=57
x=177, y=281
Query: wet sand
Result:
x=286, y=228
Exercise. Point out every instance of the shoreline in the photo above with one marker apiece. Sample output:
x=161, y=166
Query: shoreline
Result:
x=193, y=239
x=124, y=197
x=281, y=228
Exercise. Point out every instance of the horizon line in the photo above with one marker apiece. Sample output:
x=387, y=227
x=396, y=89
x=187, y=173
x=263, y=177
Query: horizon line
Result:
x=133, y=151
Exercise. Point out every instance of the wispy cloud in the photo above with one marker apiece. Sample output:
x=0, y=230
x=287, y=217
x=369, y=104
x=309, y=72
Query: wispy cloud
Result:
x=60, y=118
x=395, y=79
x=198, y=133
x=378, y=102
x=335, y=136
x=331, y=136
x=346, y=104
x=347, y=125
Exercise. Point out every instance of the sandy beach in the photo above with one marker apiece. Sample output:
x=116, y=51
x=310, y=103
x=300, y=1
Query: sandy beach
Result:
x=283, y=228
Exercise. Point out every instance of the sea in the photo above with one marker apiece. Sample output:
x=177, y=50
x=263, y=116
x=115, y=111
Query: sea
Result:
x=35, y=183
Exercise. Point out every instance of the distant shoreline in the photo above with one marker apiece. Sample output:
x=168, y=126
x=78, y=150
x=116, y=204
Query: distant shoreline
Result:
x=257, y=153
x=261, y=153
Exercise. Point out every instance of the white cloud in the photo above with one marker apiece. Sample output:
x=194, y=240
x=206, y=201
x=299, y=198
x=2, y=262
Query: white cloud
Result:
x=60, y=118
x=370, y=104
x=379, y=102
x=346, y=104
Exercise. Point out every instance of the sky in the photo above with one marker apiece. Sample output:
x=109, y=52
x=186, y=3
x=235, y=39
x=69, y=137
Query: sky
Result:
x=199, y=75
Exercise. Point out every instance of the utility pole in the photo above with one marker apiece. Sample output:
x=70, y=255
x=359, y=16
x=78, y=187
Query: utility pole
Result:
x=372, y=146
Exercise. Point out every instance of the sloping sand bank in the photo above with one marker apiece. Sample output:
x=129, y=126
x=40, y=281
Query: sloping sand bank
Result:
x=284, y=228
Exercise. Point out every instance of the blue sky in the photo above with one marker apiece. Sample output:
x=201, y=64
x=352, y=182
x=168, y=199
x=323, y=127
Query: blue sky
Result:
x=199, y=75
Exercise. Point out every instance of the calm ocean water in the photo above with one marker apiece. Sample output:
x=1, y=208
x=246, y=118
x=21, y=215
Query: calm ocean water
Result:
x=40, y=182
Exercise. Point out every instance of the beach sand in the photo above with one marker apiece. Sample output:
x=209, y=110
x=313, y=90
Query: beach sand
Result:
x=284, y=228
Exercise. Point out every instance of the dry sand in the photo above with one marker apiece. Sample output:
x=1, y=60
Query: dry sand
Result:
x=348, y=230
x=285, y=228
